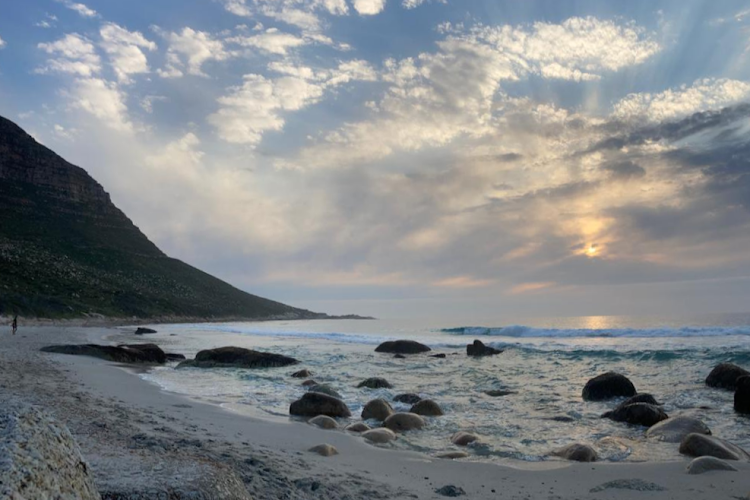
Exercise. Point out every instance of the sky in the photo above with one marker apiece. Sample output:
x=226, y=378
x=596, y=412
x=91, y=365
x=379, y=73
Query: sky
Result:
x=444, y=158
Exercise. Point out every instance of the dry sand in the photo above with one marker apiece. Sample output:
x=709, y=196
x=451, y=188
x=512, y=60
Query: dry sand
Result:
x=142, y=442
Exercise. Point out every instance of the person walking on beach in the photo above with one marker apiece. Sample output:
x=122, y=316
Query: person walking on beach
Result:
x=14, y=325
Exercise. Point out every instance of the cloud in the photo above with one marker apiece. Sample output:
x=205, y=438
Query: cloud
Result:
x=49, y=21
x=188, y=51
x=2, y=43
x=124, y=50
x=702, y=95
x=80, y=8
x=272, y=41
x=103, y=100
x=369, y=7
x=412, y=4
x=73, y=54
x=300, y=13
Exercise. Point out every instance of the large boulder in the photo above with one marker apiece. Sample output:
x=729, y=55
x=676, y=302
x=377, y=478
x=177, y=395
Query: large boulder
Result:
x=237, y=357
x=700, y=445
x=577, y=453
x=40, y=459
x=725, y=375
x=607, y=386
x=637, y=414
x=312, y=404
x=707, y=464
x=674, y=429
x=325, y=389
x=408, y=398
x=375, y=383
x=377, y=409
x=427, y=408
x=479, y=349
x=462, y=438
x=379, y=436
x=742, y=395
x=402, y=347
x=125, y=353
x=402, y=422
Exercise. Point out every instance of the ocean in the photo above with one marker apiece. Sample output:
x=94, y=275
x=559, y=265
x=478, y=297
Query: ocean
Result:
x=546, y=363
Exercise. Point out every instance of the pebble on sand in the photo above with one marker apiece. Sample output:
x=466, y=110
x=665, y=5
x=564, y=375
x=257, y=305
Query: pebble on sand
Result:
x=324, y=450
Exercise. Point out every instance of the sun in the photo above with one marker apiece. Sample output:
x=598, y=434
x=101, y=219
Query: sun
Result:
x=592, y=250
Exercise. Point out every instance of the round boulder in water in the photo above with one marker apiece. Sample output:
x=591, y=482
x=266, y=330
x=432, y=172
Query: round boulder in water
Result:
x=637, y=414
x=325, y=389
x=427, y=408
x=700, y=445
x=409, y=398
x=742, y=395
x=725, y=375
x=312, y=404
x=674, y=429
x=302, y=374
x=607, y=386
x=577, y=453
x=402, y=347
x=462, y=438
x=479, y=349
x=377, y=409
x=402, y=422
x=375, y=383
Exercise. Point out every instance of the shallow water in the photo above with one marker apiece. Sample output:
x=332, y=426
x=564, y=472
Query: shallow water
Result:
x=546, y=362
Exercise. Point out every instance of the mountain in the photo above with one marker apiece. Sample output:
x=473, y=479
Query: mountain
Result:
x=67, y=251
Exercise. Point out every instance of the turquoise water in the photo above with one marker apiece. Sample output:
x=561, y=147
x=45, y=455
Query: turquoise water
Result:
x=546, y=362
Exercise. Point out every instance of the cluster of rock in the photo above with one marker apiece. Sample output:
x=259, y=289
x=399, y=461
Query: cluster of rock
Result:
x=402, y=347
x=732, y=377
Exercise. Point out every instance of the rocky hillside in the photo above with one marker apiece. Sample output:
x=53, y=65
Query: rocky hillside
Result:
x=67, y=251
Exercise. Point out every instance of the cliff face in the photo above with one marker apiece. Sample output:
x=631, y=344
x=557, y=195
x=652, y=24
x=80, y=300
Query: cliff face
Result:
x=66, y=250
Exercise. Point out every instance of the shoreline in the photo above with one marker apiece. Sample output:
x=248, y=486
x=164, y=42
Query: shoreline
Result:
x=139, y=437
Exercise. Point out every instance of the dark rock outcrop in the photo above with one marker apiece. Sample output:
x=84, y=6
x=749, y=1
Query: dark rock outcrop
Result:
x=674, y=429
x=126, y=353
x=375, y=383
x=725, y=375
x=577, y=453
x=402, y=347
x=237, y=357
x=377, y=409
x=700, y=445
x=408, y=398
x=427, y=408
x=607, y=386
x=641, y=398
x=175, y=357
x=312, y=404
x=479, y=349
x=637, y=414
x=142, y=330
x=742, y=395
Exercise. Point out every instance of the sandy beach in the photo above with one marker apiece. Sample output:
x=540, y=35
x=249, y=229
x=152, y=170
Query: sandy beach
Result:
x=142, y=442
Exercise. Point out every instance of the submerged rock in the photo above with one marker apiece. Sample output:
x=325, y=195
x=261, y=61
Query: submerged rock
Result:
x=496, y=393
x=302, y=374
x=408, y=398
x=452, y=455
x=637, y=414
x=141, y=330
x=377, y=409
x=312, y=404
x=399, y=356
x=402, y=347
x=706, y=464
x=577, y=453
x=742, y=395
x=402, y=422
x=674, y=429
x=40, y=459
x=324, y=450
x=309, y=383
x=325, y=389
x=725, y=375
x=607, y=386
x=700, y=445
x=375, y=383
x=125, y=353
x=237, y=357
x=427, y=408
x=479, y=349
x=358, y=427
x=462, y=438
x=440, y=356
x=379, y=436
x=324, y=422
